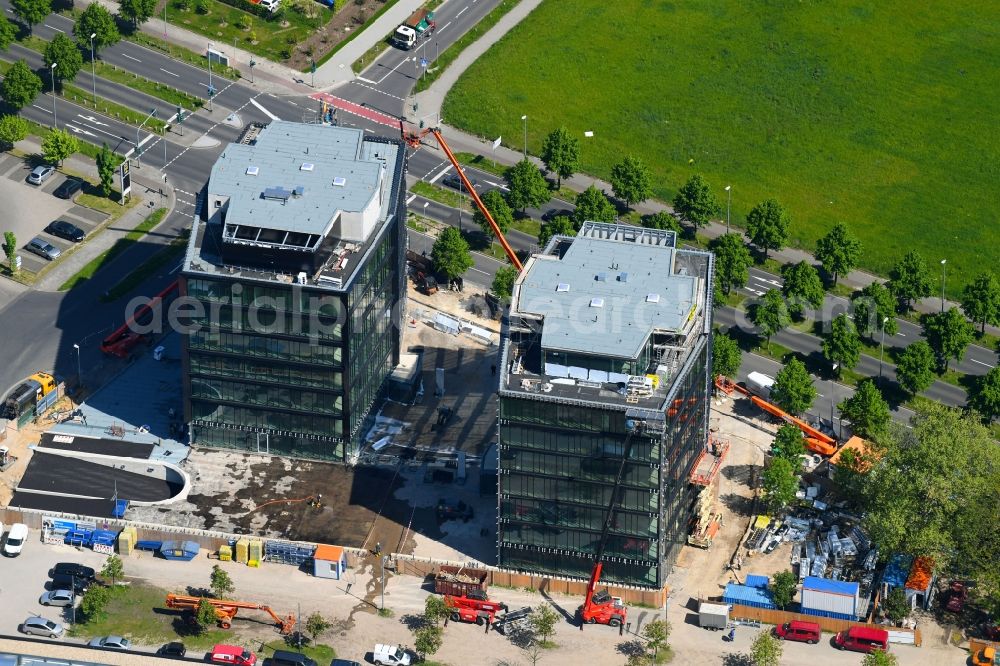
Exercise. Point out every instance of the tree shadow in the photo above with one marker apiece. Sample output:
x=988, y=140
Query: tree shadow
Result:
x=413, y=621
x=736, y=659
x=632, y=648
x=739, y=473
x=737, y=504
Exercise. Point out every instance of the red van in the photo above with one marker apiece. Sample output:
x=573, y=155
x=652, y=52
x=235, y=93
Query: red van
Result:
x=805, y=632
x=863, y=639
x=232, y=654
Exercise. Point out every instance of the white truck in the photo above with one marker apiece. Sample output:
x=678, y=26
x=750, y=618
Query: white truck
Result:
x=760, y=384
x=390, y=655
x=420, y=24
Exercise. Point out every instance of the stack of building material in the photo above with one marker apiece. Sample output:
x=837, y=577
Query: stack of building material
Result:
x=255, y=552
x=283, y=552
x=243, y=550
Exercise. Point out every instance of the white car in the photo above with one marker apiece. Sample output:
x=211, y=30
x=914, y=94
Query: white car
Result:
x=39, y=626
x=390, y=655
x=15, y=540
x=57, y=598
x=270, y=5
x=111, y=643
x=40, y=174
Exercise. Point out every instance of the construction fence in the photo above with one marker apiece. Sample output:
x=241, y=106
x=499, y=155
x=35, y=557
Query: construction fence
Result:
x=827, y=624
x=424, y=567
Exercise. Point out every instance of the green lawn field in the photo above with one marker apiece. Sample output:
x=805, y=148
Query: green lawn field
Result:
x=878, y=114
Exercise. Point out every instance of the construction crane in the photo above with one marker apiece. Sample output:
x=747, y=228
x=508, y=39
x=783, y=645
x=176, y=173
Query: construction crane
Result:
x=413, y=139
x=226, y=610
x=124, y=338
x=600, y=607
x=815, y=440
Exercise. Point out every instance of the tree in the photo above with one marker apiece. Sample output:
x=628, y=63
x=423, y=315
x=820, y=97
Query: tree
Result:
x=915, y=367
x=767, y=226
x=848, y=473
x=985, y=395
x=501, y=212
x=661, y=220
x=867, y=411
x=656, y=633
x=923, y=494
x=910, y=279
x=136, y=12
x=58, y=145
x=726, y=355
x=880, y=658
x=895, y=606
x=66, y=54
x=428, y=639
x=695, y=202
x=802, y=286
x=784, y=585
x=842, y=346
x=450, y=254
x=94, y=601
x=503, y=282
x=204, y=616
x=770, y=314
x=788, y=444
x=106, y=167
x=839, y=251
x=8, y=32
x=766, y=649
x=780, y=484
x=98, y=21
x=316, y=624
x=981, y=300
x=435, y=610
x=113, y=569
x=20, y=86
x=10, y=250
x=630, y=181
x=561, y=154
x=592, y=205
x=793, y=388
x=31, y=12
x=732, y=261
x=222, y=585
x=543, y=623
x=873, y=305
x=12, y=129
x=557, y=226
x=949, y=334
x=527, y=186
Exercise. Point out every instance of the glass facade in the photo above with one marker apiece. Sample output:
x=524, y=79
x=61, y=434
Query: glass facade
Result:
x=558, y=464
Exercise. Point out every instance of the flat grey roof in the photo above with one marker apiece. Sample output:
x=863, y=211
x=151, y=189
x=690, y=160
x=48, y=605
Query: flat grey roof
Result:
x=606, y=294
x=330, y=164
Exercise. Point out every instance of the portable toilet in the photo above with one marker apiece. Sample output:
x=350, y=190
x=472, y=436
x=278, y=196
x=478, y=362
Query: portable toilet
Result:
x=329, y=562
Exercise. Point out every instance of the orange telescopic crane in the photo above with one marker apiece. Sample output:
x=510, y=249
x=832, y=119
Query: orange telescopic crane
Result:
x=226, y=610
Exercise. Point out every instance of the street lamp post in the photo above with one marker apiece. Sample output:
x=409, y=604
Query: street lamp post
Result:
x=79, y=375
x=525, y=120
x=52, y=75
x=382, y=605
x=164, y=20
x=211, y=89
x=881, y=347
x=729, y=204
x=943, y=270
x=93, y=66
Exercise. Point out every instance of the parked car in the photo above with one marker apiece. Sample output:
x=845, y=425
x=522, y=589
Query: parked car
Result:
x=69, y=187
x=66, y=230
x=173, y=650
x=390, y=655
x=804, y=632
x=452, y=180
x=40, y=174
x=287, y=658
x=43, y=248
x=15, y=540
x=450, y=509
x=553, y=213
x=232, y=654
x=58, y=597
x=344, y=662
x=270, y=5
x=862, y=639
x=72, y=569
x=111, y=643
x=40, y=626
x=67, y=582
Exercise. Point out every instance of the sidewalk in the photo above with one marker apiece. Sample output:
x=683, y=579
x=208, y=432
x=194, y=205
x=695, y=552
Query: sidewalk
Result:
x=92, y=247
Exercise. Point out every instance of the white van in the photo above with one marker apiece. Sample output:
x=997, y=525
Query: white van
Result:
x=270, y=5
x=15, y=540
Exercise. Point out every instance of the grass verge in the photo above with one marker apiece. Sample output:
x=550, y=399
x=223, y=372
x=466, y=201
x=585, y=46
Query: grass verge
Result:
x=142, y=273
x=527, y=225
x=369, y=56
x=323, y=654
x=449, y=55
x=111, y=109
x=354, y=34
x=122, y=244
x=441, y=195
x=184, y=55
x=152, y=88
x=483, y=163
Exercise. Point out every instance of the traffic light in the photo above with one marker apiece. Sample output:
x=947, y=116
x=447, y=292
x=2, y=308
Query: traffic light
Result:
x=180, y=113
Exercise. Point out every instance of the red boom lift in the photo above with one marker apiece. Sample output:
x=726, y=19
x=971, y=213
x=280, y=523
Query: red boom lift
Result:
x=473, y=609
x=121, y=342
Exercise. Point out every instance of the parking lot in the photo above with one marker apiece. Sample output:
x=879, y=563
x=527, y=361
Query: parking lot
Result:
x=28, y=209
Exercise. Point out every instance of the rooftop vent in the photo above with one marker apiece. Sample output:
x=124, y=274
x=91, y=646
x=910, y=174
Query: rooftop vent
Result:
x=339, y=181
x=562, y=286
x=623, y=277
x=277, y=194
x=253, y=171
x=298, y=191
x=597, y=302
x=602, y=277
x=652, y=298
x=307, y=166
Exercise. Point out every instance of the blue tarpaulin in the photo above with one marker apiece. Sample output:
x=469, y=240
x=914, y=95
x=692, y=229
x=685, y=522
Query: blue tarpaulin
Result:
x=747, y=596
x=898, y=570
x=756, y=580
x=846, y=588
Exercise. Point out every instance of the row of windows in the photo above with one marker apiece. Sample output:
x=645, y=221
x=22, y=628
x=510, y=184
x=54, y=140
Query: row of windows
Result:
x=562, y=416
x=598, y=469
x=269, y=443
x=563, y=564
x=579, y=492
x=250, y=345
x=556, y=513
x=292, y=298
x=239, y=368
x=587, y=542
x=576, y=443
x=268, y=322
x=261, y=395
x=309, y=424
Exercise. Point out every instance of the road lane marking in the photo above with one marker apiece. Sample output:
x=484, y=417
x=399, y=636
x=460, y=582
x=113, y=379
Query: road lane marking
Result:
x=263, y=110
x=442, y=173
x=41, y=109
x=52, y=27
x=170, y=73
x=445, y=26
x=412, y=197
x=130, y=57
x=292, y=103
x=462, y=12
x=361, y=78
x=384, y=76
x=401, y=99
x=473, y=268
x=981, y=363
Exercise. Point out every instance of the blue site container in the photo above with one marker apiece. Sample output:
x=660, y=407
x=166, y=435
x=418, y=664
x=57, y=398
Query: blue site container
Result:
x=180, y=550
x=748, y=596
